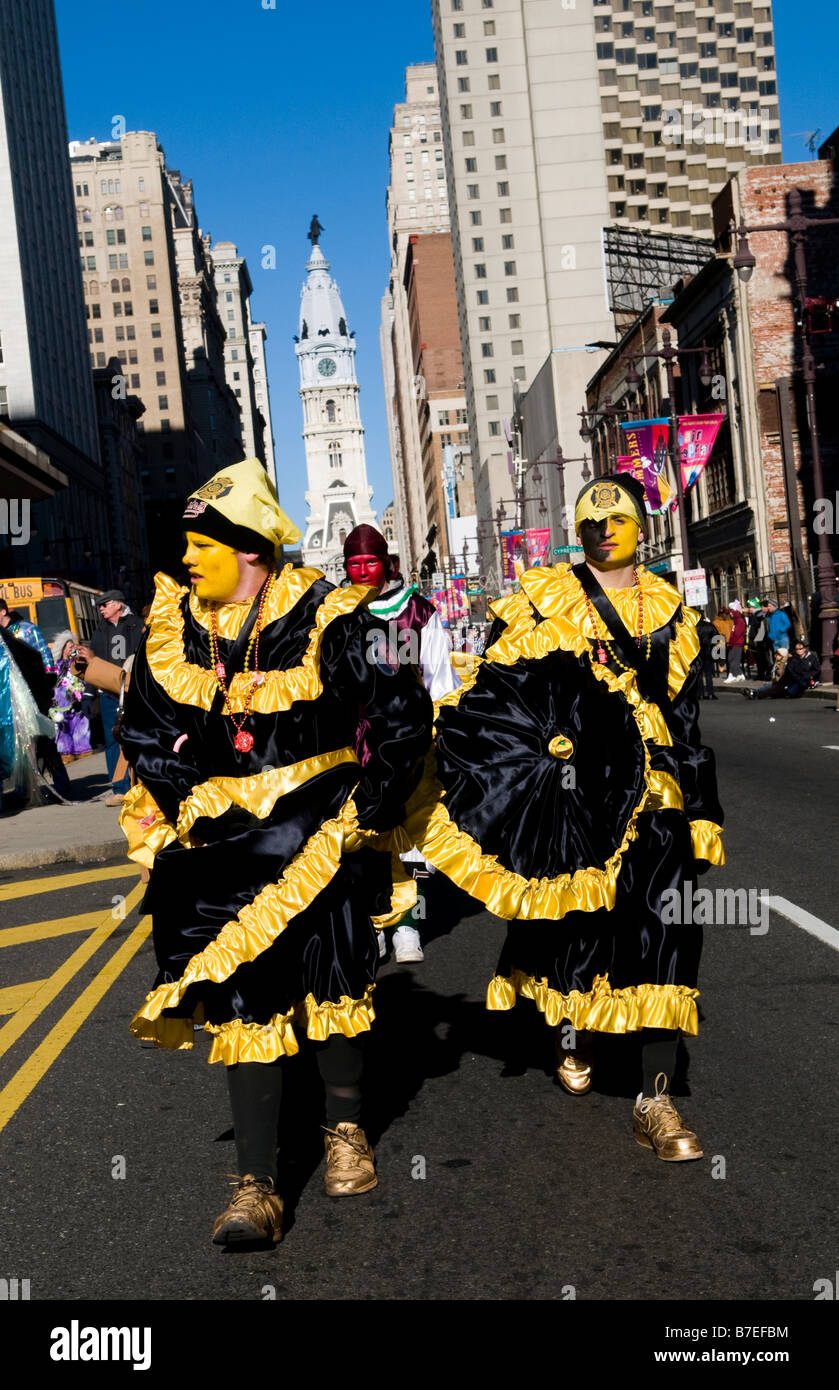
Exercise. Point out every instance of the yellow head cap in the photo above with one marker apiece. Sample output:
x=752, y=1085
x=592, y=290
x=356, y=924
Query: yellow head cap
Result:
x=239, y=507
x=599, y=500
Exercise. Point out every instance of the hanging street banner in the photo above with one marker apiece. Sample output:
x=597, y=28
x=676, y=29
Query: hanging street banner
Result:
x=458, y=602
x=512, y=551
x=538, y=545
x=440, y=599
x=697, y=434
x=646, y=443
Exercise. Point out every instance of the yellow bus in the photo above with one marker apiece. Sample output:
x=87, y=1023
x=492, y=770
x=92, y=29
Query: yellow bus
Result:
x=54, y=605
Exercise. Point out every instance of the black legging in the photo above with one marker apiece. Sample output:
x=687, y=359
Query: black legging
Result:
x=256, y=1089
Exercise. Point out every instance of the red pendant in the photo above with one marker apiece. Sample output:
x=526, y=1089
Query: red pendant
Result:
x=243, y=742
x=601, y=656
x=220, y=670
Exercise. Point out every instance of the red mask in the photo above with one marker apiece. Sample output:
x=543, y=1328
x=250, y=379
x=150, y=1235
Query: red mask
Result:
x=366, y=569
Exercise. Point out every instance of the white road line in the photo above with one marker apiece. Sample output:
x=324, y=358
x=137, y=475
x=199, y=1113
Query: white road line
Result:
x=834, y=746
x=814, y=925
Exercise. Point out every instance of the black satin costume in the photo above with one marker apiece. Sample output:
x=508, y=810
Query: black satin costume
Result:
x=267, y=866
x=570, y=796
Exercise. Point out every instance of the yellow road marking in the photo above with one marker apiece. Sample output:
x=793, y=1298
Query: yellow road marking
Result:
x=28, y=1075
x=41, y=931
x=13, y=996
x=11, y=1031
x=48, y=885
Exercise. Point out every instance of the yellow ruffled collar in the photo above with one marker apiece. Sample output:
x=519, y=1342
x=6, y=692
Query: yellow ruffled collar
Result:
x=555, y=592
x=287, y=588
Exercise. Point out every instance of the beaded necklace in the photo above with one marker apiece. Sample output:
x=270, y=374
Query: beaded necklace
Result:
x=605, y=648
x=243, y=741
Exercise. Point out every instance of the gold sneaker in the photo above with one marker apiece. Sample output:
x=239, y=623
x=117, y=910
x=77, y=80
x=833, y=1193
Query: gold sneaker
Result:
x=658, y=1126
x=574, y=1072
x=349, y=1161
x=255, y=1213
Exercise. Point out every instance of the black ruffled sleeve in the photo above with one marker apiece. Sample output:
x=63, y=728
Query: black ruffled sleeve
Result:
x=396, y=709
x=151, y=725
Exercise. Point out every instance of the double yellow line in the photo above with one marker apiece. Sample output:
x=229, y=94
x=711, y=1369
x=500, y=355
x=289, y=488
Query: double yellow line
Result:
x=26, y=1078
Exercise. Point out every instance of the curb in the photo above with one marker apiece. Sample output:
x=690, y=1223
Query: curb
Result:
x=826, y=694
x=64, y=854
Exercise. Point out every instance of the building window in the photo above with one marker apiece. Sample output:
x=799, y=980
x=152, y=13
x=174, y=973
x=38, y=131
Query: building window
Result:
x=144, y=209
x=489, y=376
x=126, y=285
x=498, y=137
x=480, y=271
x=158, y=354
x=605, y=50
x=335, y=455
x=166, y=424
x=146, y=233
x=514, y=320
x=512, y=295
x=477, y=243
x=330, y=405
x=236, y=376
x=494, y=427
x=460, y=31
x=489, y=28
x=484, y=324
x=472, y=190
x=509, y=267
x=475, y=219
x=156, y=331
x=135, y=380
x=161, y=378
x=505, y=214
x=503, y=190
x=507, y=242
x=492, y=55
x=463, y=84
x=154, y=306
x=468, y=137
x=120, y=332
x=100, y=359
x=234, y=356
x=519, y=373
x=117, y=309
x=98, y=335
x=483, y=297
x=466, y=112
x=163, y=402
x=471, y=166
x=494, y=82
x=517, y=347
x=96, y=311
x=460, y=57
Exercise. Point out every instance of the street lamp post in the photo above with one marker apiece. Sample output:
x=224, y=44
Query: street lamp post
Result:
x=559, y=462
x=607, y=412
x=796, y=226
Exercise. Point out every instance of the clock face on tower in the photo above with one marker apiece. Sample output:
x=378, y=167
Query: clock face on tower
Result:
x=326, y=366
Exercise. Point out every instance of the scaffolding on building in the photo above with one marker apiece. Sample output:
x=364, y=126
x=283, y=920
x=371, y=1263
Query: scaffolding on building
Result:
x=644, y=266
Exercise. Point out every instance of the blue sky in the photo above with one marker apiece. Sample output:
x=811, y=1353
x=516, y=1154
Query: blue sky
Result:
x=276, y=114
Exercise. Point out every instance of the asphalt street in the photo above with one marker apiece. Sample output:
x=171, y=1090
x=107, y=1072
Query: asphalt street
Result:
x=494, y=1184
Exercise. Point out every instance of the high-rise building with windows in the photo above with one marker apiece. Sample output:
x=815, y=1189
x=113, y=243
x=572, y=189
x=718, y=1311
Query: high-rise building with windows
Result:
x=46, y=388
x=257, y=333
x=423, y=369
x=559, y=121
x=234, y=288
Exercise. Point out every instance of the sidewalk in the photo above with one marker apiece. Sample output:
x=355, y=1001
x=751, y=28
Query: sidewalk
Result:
x=826, y=693
x=84, y=832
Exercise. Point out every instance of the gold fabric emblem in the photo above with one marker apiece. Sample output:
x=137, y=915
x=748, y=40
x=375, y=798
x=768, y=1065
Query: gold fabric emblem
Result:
x=606, y=495
x=216, y=487
x=560, y=747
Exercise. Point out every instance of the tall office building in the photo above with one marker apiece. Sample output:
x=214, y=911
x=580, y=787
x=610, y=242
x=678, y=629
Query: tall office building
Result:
x=554, y=117
x=423, y=370
x=339, y=494
x=234, y=288
x=257, y=333
x=46, y=388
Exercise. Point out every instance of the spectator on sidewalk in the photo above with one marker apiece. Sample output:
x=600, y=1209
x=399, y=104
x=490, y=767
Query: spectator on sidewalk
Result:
x=774, y=690
x=708, y=637
x=779, y=626
x=67, y=709
x=803, y=671
x=724, y=622
x=758, y=643
x=736, y=643
x=116, y=639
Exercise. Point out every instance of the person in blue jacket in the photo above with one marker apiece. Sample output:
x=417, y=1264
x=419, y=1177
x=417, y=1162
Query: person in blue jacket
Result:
x=779, y=626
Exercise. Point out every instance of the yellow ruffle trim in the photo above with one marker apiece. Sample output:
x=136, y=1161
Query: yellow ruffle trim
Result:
x=505, y=893
x=603, y=1009
x=257, y=794
x=144, y=825
x=557, y=596
x=236, y=1041
x=403, y=897
x=189, y=684
x=706, y=838
x=287, y=590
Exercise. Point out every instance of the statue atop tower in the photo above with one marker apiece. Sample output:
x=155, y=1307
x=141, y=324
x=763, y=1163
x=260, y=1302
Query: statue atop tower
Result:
x=338, y=495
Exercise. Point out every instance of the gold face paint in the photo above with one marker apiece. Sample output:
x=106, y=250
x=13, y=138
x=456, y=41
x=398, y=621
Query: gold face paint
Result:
x=610, y=544
x=213, y=568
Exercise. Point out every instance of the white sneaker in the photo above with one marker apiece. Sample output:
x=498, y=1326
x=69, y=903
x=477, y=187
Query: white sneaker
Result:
x=740, y=677
x=382, y=944
x=729, y=680
x=407, y=947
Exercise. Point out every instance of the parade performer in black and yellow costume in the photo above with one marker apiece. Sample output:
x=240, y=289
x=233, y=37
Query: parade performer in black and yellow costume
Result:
x=265, y=838
x=575, y=799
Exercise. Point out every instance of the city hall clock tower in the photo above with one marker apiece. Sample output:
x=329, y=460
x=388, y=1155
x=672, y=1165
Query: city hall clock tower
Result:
x=339, y=496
